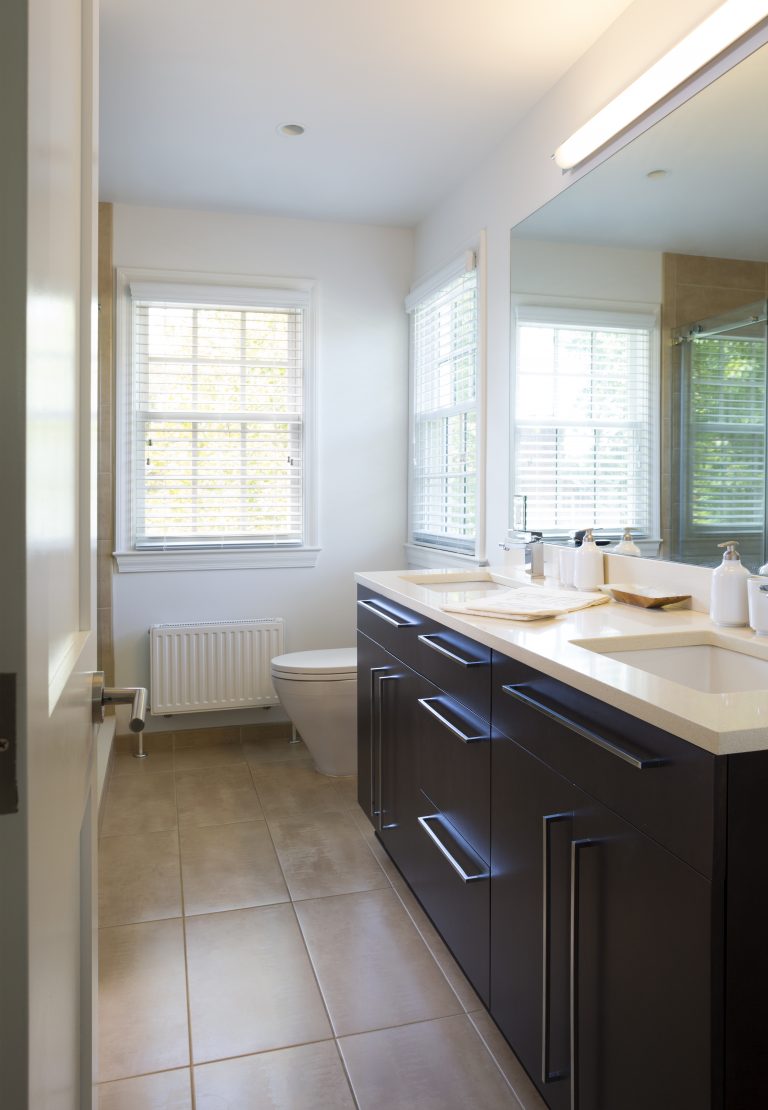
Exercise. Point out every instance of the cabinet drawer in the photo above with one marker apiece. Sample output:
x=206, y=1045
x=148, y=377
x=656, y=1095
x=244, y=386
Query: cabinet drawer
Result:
x=453, y=886
x=452, y=661
x=663, y=786
x=454, y=766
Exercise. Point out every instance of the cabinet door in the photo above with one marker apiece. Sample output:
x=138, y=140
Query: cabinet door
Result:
x=640, y=972
x=388, y=720
x=600, y=948
x=533, y=815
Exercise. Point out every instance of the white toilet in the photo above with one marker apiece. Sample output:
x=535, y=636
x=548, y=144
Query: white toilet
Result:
x=318, y=691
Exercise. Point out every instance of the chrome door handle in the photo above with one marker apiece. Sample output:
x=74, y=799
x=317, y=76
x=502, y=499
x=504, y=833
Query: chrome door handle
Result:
x=135, y=696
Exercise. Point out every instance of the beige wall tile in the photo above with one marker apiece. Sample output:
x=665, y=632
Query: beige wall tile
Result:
x=229, y=867
x=139, y=803
x=324, y=854
x=693, y=269
x=698, y=302
x=310, y=1077
x=165, y=1090
x=216, y=796
x=435, y=1065
x=139, y=878
x=373, y=967
x=142, y=999
x=251, y=984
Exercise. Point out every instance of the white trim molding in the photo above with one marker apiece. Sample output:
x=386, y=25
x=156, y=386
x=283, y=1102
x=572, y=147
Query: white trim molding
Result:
x=137, y=562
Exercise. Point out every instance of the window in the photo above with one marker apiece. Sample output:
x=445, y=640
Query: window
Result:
x=723, y=456
x=214, y=434
x=445, y=432
x=585, y=419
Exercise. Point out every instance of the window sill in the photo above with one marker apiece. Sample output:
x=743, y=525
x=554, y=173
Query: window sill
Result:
x=152, y=562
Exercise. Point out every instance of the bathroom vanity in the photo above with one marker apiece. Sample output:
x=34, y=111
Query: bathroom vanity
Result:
x=588, y=837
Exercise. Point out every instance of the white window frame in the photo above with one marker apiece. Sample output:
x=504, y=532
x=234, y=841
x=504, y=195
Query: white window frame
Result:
x=560, y=312
x=211, y=289
x=429, y=554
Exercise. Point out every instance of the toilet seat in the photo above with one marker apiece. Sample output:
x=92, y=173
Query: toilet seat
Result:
x=322, y=665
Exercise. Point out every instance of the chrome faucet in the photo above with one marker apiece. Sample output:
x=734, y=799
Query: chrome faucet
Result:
x=532, y=544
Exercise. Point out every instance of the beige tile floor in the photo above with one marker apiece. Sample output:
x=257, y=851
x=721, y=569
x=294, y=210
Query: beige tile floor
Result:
x=259, y=951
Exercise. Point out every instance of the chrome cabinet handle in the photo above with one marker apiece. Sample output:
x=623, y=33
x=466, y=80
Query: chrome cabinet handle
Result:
x=375, y=736
x=635, y=760
x=577, y=847
x=371, y=607
x=463, y=875
x=547, y=1075
x=429, y=639
x=381, y=679
x=429, y=705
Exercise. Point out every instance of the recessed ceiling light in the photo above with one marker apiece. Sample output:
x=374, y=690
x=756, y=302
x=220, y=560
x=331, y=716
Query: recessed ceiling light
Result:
x=656, y=175
x=290, y=129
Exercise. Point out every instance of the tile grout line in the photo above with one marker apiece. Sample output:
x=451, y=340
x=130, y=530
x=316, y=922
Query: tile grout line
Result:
x=309, y=954
x=350, y=814
x=188, y=1000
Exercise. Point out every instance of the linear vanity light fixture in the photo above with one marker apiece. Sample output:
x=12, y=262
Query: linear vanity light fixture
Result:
x=716, y=33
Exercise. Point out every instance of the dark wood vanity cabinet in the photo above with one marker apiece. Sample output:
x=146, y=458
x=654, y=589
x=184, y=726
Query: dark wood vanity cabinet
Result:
x=424, y=770
x=603, y=883
x=600, y=947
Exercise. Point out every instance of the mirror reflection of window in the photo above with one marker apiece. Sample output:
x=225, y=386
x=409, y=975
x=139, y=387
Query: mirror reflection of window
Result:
x=585, y=419
x=722, y=430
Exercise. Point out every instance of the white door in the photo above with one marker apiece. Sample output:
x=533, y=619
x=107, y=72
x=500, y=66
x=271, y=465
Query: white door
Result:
x=47, y=551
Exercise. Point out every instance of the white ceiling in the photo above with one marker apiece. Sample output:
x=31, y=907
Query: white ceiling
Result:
x=400, y=98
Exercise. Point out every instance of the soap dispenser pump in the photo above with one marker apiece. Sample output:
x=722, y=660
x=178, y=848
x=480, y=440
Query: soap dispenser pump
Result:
x=728, y=600
x=588, y=564
x=627, y=545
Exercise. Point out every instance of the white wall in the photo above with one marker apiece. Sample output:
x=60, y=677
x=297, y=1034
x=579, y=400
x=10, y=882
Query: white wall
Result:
x=519, y=177
x=363, y=274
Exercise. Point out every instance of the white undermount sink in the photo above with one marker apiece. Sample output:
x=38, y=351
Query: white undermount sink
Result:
x=703, y=661
x=459, y=581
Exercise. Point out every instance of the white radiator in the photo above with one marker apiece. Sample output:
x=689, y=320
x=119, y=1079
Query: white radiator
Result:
x=197, y=668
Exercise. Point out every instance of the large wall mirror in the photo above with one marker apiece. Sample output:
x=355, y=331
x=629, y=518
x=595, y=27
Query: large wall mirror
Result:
x=639, y=334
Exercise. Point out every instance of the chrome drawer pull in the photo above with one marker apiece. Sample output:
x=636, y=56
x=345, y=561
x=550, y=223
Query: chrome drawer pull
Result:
x=465, y=878
x=429, y=705
x=429, y=639
x=637, y=761
x=372, y=608
x=577, y=847
x=548, y=1075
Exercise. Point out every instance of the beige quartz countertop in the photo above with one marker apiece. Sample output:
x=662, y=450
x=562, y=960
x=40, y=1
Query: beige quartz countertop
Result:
x=721, y=723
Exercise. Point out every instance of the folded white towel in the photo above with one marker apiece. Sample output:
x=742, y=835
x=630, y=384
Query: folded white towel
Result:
x=528, y=603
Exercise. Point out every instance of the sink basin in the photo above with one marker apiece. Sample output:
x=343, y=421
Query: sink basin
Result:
x=702, y=661
x=459, y=582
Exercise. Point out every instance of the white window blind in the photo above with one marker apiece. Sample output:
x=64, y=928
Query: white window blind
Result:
x=444, y=416
x=584, y=419
x=216, y=433
x=724, y=447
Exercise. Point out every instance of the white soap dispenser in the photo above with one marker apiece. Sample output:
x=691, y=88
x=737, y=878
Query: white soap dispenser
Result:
x=728, y=600
x=627, y=545
x=588, y=564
